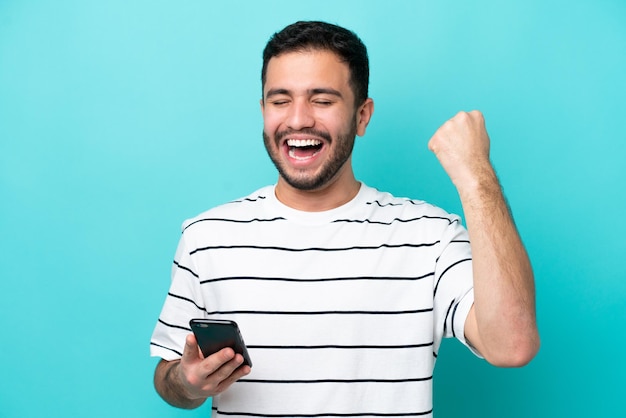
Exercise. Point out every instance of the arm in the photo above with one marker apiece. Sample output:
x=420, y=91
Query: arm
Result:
x=188, y=382
x=501, y=325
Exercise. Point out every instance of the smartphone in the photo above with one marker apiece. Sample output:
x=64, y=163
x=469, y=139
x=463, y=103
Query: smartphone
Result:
x=214, y=334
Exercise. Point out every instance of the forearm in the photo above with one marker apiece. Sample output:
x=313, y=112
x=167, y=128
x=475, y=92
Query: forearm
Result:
x=504, y=292
x=168, y=384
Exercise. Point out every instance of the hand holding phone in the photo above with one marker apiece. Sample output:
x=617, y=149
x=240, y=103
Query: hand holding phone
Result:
x=213, y=335
x=187, y=383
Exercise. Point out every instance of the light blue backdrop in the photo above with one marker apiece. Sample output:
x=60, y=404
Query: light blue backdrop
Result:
x=118, y=119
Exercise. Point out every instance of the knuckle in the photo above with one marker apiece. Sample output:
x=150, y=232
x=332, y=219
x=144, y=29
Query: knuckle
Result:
x=477, y=114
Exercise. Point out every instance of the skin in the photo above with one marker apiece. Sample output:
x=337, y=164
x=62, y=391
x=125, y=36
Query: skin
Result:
x=188, y=382
x=307, y=96
x=501, y=325
x=307, y=92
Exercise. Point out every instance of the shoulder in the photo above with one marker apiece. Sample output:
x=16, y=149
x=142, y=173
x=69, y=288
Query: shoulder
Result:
x=386, y=204
x=241, y=209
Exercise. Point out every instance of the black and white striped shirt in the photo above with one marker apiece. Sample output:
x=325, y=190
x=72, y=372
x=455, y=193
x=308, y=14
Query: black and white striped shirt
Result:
x=343, y=311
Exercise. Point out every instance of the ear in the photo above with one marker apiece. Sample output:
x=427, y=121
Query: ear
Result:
x=364, y=115
x=262, y=103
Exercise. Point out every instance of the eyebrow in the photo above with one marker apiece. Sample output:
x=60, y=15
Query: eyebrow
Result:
x=321, y=90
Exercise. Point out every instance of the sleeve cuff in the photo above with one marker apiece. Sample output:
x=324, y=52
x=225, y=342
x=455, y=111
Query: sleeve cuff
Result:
x=460, y=316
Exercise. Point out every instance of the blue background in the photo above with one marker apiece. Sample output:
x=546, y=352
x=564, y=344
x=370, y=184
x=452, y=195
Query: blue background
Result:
x=119, y=119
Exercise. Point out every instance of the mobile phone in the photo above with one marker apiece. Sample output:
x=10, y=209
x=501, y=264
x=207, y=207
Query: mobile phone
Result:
x=214, y=334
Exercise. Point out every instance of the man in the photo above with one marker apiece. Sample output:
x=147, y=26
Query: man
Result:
x=342, y=293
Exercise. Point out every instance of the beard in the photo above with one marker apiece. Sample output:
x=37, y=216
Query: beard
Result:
x=300, y=179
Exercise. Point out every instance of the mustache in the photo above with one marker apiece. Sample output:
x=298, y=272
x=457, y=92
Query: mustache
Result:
x=307, y=131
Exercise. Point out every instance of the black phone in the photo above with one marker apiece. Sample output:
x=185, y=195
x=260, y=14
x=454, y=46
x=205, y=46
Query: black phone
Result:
x=214, y=334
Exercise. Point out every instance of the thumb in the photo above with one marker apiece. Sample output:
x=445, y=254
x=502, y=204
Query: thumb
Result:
x=191, y=351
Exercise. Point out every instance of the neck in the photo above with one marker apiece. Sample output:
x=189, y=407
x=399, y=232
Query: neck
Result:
x=332, y=195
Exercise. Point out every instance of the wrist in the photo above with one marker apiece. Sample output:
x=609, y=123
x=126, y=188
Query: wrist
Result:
x=479, y=186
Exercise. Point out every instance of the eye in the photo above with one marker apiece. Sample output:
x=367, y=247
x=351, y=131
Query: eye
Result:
x=279, y=102
x=323, y=102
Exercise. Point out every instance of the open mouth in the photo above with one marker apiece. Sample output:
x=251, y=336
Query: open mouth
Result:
x=302, y=149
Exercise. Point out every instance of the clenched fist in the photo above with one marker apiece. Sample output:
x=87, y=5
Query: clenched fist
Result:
x=462, y=147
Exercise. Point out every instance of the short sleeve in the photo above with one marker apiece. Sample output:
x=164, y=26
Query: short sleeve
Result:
x=183, y=302
x=453, y=285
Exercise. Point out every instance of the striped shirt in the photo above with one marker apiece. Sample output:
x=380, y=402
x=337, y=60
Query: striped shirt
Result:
x=343, y=311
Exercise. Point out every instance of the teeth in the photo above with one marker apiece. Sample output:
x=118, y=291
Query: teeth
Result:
x=303, y=142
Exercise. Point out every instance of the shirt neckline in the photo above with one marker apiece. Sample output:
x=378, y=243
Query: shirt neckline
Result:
x=314, y=218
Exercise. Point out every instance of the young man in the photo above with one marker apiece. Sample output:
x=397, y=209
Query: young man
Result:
x=343, y=293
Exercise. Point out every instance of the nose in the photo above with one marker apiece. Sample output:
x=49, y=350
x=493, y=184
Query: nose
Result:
x=300, y=115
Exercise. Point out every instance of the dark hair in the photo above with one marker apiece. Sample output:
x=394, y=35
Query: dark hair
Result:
x=302, y=36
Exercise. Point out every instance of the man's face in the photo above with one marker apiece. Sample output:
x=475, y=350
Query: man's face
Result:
x=309, y=115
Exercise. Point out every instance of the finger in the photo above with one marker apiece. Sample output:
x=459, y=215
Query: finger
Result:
x=240, y=372
x=191, y=351
x=217, y=374
x=478, y=116
x=234, y=376
x=203, y=376
x=219, y=363
x=432, y=145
